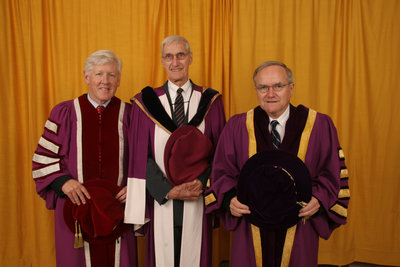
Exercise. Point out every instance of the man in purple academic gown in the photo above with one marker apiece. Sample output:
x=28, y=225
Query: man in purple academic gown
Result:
x=84, y=139
x=301, y=131
x=178, y=233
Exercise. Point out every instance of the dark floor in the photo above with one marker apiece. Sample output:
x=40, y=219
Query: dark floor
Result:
x=355, y=264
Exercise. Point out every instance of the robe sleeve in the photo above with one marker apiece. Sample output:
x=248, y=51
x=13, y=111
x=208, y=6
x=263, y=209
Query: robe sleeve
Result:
x=51, y=156
x=231, y=152
x=215, y=120
x=138, y=144
x=157, y=185
x=126, y=127
x=326, y=163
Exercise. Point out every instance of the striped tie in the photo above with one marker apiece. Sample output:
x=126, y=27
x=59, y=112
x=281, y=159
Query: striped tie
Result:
x=179, y=110
x=276, y=138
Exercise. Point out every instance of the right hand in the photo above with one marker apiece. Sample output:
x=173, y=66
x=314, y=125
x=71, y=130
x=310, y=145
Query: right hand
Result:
x=237, y=208
x=75, y=191
x=186, y=191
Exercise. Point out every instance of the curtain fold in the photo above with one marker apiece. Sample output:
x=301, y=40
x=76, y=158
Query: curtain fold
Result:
x=345, y=58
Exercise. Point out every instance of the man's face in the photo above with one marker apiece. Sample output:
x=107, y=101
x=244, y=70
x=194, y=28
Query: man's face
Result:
x=176, y=61
x=273, y=102
x=103, y=81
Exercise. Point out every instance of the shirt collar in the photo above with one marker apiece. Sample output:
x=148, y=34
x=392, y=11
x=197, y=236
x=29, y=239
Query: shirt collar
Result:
x=95, y=104
x=282, y=119
x=172, y=88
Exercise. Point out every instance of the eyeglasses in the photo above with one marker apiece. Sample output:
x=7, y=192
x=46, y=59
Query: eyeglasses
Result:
x=179, y=56
x=276, y=87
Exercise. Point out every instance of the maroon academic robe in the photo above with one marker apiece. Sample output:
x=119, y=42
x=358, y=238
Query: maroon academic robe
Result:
x=76, y=144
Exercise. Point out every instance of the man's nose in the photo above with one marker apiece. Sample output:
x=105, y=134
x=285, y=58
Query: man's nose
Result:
x=104, y=79
x=174, y=60
x=270, y=92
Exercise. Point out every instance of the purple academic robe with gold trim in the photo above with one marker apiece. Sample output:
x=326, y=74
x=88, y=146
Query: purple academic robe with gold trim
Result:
x=325, y=161
x=152, y=126
x=75, y=144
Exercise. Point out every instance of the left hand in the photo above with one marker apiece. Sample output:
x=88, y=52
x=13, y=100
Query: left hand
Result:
x=187, y=191
x=310, y=209
x=121, y=196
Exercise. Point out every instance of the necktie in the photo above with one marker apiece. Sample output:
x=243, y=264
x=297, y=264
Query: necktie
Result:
x=100, y=110
x=276, y=138
x=179, y=110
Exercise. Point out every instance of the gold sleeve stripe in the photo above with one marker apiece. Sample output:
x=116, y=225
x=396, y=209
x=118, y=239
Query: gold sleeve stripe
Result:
x=342, y=211
x=44, y=159
x=51, y=126
x=344, y=193
x=209, y=199
x=341, y=154
x=46, y=171
x=49, y=145
x=344, y=173
x=208, y=183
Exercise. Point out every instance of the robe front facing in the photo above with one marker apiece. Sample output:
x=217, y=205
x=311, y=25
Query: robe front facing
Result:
x=152, y=126
x=76, y=144
x=312, y=137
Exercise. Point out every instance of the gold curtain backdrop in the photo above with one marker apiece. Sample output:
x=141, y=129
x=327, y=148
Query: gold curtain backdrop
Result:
x=345, y=55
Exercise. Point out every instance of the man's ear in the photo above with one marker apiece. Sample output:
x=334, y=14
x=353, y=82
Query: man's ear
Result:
x=86, y=77
x=191, y=58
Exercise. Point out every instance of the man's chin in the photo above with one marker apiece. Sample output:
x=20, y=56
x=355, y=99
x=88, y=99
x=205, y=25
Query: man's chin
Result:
x=270, y=111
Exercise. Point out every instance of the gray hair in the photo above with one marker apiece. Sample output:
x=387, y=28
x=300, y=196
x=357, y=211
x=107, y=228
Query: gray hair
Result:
x=100, y=58
x=289, y=73
x=174, y=38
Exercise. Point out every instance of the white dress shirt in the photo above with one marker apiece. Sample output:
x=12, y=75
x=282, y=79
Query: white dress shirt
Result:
x=187, y=92
x=282, y=119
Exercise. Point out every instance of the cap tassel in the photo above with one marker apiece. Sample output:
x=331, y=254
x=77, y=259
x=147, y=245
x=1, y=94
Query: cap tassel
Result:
x=78, y=242
x=305, y=218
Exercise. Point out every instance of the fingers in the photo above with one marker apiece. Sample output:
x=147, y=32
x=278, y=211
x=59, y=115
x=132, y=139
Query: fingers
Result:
x=310, y=209
x=190, y=195
x=237, y=208
x=75, y=191
x=186, y=191
x=194, y=185
x=121, y=196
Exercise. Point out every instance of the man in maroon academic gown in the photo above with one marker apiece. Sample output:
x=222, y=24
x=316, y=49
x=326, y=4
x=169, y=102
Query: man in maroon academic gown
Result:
x=84, y=139
x=179, y=233
x=301, y=131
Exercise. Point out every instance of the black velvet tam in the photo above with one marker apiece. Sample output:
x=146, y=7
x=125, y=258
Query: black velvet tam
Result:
x=275, y=185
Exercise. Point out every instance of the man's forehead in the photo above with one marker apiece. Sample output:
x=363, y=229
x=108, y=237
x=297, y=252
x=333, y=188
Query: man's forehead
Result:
x=107, y=65
x=271, y=74
x=176, y=46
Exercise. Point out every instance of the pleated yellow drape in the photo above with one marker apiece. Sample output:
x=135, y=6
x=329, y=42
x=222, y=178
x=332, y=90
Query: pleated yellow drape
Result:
x=344, y=55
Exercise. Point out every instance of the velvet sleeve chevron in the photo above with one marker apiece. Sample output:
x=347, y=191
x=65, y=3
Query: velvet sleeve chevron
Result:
x=52, y=153
x=326, y=162
x=340, y=207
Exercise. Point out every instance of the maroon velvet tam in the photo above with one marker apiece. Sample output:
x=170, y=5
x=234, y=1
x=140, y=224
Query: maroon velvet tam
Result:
x=100, y=220
x=187, y=154
x=275, y=185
